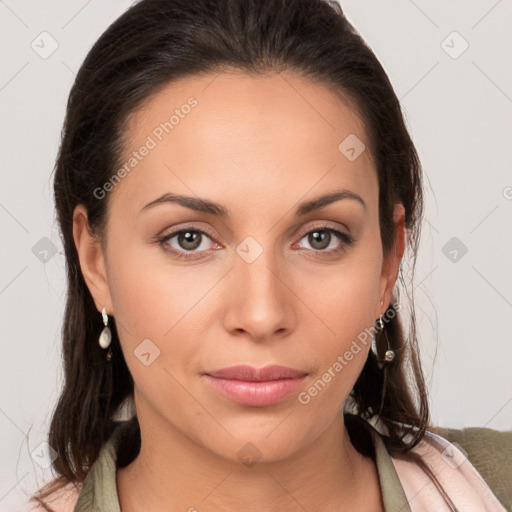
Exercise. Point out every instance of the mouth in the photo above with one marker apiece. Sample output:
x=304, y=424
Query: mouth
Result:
x=252, y=386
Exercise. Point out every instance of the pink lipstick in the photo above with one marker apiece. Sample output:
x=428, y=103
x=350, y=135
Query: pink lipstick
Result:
x=248, y=385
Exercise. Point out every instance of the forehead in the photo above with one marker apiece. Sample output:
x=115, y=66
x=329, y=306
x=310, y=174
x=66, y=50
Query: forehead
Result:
x=249, y=133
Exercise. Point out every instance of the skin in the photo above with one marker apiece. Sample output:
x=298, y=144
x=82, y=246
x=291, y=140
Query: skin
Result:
x=258, y=145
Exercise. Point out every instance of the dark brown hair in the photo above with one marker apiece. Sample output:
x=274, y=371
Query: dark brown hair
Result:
x=153, y=43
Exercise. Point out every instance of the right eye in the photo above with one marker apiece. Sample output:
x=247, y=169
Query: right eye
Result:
x=187, y=241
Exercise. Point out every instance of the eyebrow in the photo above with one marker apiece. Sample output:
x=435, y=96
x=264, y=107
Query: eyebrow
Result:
x=207, y=206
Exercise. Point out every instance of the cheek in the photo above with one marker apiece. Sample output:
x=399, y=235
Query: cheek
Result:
x=344, y=297
x=346, y=314
x=343, y=301
x=150, y=293
x=137, y=294
x=156, y=299
x=153, y=309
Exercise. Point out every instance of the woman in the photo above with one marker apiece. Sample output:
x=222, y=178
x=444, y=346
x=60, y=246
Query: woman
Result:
x=236, y=190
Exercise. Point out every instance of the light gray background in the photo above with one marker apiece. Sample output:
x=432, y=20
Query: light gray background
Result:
x=459, y=113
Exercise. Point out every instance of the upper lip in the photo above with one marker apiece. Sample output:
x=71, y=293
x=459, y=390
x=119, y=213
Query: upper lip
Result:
x=252, y=374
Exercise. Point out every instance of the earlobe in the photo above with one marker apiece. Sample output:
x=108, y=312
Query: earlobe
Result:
x=92, y=260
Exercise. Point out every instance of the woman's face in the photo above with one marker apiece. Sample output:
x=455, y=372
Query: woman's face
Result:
x=259, y=287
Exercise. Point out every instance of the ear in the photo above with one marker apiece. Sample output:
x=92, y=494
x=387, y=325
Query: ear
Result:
x=92, y=260
x=391, y=262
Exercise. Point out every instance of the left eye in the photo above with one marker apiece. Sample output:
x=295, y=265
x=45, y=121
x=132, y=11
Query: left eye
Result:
x=321, y=238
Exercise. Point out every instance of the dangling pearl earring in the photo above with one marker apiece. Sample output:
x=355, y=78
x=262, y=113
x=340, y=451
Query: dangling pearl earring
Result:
x=105, y=336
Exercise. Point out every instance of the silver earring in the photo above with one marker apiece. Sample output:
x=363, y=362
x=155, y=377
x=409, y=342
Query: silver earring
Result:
x=390, y=354
x=105, y=336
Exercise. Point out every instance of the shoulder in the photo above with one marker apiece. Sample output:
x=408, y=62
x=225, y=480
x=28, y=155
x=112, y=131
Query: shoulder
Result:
x=489, y=451
x=101, y=473
x=62, y=500
x=486, y=448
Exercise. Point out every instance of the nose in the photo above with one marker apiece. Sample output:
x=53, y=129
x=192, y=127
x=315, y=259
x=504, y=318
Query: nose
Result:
x=258, y=301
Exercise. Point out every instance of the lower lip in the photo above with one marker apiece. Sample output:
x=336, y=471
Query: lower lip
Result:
x=255, y=393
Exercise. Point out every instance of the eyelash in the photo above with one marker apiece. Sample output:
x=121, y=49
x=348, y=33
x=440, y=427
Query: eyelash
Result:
x=346, y=239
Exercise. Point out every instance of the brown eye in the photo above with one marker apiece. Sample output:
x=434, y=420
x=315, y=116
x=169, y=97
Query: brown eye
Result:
x=319, y=239
x=186, y=243
x=189, y=240
x=323, y=240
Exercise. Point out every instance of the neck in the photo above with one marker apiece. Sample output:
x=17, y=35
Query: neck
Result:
x=172, y=472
